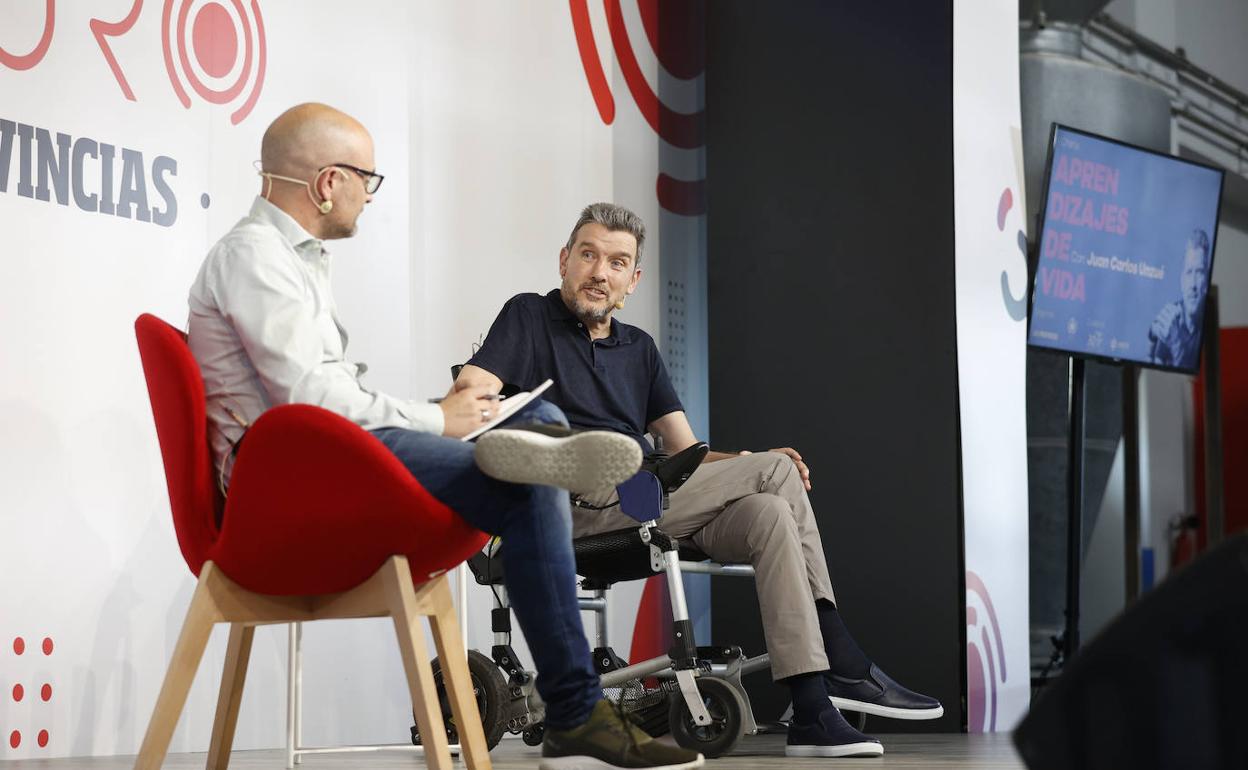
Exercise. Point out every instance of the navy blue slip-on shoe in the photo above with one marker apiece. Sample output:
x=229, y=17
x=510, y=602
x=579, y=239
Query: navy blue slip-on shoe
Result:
x=879, y=695
x=829, y=736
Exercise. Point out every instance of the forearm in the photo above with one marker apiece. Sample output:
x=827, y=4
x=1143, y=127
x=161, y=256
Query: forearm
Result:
x=470, y=376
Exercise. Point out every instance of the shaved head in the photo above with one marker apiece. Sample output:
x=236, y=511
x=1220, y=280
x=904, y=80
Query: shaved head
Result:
x=309, y=136
x=316, y=163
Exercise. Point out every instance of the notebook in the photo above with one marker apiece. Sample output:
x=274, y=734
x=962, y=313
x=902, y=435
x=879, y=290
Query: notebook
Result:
x=508, y=406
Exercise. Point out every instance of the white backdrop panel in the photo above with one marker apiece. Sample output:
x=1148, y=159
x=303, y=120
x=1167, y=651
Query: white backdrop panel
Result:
x=491, y=144
x=991, y=284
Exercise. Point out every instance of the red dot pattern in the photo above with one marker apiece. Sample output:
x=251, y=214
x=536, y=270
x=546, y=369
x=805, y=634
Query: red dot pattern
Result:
x=19, y=692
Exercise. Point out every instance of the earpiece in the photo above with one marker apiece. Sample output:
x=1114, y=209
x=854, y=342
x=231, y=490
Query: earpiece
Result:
x=326, y=206
x=619, y=304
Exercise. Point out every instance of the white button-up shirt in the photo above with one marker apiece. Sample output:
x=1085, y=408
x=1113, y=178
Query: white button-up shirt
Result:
x=265, y=331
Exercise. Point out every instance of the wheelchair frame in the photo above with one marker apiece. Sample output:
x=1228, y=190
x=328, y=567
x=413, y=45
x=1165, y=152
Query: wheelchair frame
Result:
x=685, y=665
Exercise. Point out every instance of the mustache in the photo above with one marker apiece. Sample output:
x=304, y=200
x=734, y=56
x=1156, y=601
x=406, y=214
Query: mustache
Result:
x=602, y=287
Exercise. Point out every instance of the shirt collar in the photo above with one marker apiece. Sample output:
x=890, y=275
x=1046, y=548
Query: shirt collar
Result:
x=292, y=231
x=620, y=333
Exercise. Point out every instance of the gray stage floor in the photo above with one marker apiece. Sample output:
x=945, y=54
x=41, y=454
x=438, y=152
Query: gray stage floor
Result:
x=976, y=752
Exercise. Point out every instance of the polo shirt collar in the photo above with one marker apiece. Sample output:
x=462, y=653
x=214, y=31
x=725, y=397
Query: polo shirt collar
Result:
x=292, y=231
x=559, y=312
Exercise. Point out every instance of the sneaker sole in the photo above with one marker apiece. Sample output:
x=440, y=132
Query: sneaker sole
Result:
x=590, y=763
x=582, y=463
x=868, y=749
x=862, y=707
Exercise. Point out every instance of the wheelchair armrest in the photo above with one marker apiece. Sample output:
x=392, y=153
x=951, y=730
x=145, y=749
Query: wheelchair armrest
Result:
x=675, y=470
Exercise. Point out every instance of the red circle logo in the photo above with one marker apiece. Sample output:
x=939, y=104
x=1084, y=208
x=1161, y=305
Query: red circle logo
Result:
x=217, y=49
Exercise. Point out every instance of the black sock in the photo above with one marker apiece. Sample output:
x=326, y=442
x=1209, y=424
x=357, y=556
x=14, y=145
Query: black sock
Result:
x=845, y=657
x=810, y=697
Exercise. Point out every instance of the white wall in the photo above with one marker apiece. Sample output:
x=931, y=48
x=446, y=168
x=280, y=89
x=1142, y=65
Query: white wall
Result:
x=490, y=142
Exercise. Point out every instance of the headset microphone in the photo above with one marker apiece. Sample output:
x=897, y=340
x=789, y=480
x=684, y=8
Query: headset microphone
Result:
x=326, y=206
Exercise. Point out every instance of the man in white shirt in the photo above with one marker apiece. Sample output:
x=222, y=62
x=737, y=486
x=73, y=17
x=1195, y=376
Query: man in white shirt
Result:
x=264, y=330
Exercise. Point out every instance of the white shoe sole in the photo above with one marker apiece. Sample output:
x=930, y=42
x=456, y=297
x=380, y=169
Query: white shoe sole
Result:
x=589, y=763
x=845, y=704
x=582, y=463
x=867, y=749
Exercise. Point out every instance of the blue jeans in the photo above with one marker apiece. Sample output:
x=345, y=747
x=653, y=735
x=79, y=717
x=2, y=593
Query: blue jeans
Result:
x=535, y=523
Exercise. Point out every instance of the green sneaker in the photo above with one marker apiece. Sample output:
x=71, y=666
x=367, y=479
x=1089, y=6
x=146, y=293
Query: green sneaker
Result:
x=608, y=740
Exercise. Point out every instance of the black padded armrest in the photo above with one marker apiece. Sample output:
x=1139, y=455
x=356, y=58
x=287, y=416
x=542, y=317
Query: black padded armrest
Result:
x=675, y=470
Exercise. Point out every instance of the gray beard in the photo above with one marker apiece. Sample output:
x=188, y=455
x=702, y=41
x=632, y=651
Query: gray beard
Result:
x=586, y=313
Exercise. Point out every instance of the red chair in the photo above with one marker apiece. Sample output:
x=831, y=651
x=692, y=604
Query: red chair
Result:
x=321, y=522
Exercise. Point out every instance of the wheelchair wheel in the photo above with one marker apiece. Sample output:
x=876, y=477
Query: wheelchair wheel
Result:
x=726, y=707
x=490, y=689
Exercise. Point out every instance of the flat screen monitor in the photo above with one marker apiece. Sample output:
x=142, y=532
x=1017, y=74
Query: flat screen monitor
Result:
x=1125, y=252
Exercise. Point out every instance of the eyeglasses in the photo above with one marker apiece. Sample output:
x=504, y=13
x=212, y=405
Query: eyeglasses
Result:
x=372, y=180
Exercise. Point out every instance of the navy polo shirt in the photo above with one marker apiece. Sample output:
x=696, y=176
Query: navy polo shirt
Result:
x=616, y=383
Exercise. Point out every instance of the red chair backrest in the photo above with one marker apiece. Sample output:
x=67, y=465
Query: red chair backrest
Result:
x=176, y=390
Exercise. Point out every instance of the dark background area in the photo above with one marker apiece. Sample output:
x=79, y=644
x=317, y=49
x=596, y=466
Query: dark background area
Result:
x=831, y=293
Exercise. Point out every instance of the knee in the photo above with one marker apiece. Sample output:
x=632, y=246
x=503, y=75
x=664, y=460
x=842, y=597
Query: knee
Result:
x=545, y=412
x=780, y=476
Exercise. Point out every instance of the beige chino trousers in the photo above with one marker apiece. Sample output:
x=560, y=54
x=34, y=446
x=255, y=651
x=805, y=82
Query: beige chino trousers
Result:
x=752, y=509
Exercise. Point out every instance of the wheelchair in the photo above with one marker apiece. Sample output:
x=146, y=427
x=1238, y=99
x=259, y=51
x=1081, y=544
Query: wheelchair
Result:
x=694, y=692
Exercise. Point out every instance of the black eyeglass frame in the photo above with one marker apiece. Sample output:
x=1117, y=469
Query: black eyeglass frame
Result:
x=372, y=180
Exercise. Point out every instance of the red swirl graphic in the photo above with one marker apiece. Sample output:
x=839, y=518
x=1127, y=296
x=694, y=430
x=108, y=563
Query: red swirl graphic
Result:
x=25, y=62
x=588, y=49
x=981, y=684
x=102, y=29
x=686, y=131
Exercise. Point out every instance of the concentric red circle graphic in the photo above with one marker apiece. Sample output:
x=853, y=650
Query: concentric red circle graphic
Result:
x=19, y=692
x=47, y=645
x=680, y=49
x=213, y=39
x=43, y=738
x=45, y=692
x=19, y=646
x=15, y=739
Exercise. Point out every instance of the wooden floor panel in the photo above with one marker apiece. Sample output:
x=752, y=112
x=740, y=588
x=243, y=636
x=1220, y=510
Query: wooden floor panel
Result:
x=969, y=752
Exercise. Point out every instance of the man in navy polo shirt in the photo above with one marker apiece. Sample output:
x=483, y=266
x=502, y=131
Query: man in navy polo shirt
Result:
x=737, y=507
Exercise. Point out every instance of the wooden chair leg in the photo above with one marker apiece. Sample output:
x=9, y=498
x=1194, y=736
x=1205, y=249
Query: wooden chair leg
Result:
x=406, y=610
x=196, y=629
x=455, y=675
x=238, y=653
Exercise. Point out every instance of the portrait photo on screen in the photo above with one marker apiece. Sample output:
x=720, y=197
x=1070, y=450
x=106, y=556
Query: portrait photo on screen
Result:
x=1125, y=252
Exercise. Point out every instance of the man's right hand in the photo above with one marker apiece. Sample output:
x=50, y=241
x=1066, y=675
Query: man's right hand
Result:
x=467, y=409
x=1164, y=324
